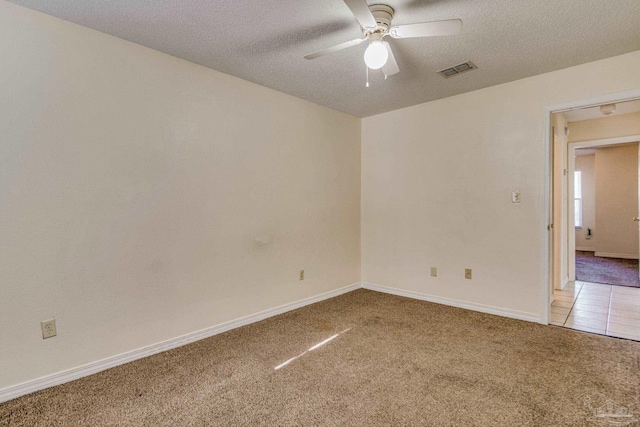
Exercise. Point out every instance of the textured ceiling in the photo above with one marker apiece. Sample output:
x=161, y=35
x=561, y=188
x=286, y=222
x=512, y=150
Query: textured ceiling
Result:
x=264, y=41
x=580, y=114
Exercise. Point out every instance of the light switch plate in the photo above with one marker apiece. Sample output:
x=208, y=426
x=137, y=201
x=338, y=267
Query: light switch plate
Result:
x=434, y=271
x=515, y=197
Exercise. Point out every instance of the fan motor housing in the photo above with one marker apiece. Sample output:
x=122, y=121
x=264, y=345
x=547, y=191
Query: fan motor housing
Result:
x=383, y=14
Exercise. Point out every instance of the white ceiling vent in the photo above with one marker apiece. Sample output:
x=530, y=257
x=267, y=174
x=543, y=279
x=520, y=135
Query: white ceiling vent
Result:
x=457, y=69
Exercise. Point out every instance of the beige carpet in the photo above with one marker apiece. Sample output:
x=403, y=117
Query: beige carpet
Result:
x=397, y=362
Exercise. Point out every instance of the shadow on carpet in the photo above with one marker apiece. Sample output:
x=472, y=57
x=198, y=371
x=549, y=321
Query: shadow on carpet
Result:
x=612, y=271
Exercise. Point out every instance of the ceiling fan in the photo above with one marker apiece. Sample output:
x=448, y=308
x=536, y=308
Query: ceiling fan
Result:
x=375, y=23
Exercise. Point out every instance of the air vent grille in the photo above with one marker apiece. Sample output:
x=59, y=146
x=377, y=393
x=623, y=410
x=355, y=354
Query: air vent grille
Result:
x=457, y=69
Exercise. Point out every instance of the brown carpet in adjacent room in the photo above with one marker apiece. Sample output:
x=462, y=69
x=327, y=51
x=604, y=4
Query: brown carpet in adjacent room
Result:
x=395, y=361
x=611, y=271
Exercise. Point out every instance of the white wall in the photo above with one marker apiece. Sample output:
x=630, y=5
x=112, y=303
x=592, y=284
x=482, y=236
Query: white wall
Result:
x=143, y=197
x=616, y=170
x=437, y=181
x=586, y=165
x=605, y=127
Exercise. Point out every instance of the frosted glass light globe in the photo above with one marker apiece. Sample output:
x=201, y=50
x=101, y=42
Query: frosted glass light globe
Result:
x=376, y=55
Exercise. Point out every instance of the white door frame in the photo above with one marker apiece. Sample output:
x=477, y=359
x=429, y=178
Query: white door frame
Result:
x=547, y=206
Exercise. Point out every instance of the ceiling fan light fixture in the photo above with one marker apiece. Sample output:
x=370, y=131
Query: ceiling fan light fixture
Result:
x=376, y=23
x=376, y=55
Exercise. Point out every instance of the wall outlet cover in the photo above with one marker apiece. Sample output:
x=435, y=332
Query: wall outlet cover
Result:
x=434, y=271
x=48, y=328
x=467, y=273
x=301, y=275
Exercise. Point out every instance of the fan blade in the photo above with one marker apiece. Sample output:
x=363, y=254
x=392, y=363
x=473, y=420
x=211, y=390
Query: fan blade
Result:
x=335, y=48
x=391, y=67
x=361, y=11
x=427, y=29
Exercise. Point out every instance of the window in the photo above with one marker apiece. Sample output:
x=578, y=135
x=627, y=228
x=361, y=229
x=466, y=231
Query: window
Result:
x=577, y=196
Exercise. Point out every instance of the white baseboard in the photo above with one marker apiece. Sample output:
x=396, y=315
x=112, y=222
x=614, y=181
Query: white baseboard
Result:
x=585, y=249
x=614, y=255
x=62, y=377
x=520, y=315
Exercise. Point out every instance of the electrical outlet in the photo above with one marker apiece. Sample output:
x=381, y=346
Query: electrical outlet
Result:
x=434, y=271
x=467, y=273
x=301, y=276
x=48, y=328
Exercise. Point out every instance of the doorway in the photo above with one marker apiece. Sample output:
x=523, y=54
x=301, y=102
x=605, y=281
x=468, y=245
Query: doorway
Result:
x=595, y=284
x=604, y=178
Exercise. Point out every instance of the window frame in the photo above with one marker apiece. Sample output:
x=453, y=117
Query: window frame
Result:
x=577, y=199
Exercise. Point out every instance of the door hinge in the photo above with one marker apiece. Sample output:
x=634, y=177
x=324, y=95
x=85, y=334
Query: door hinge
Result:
x=550, y=227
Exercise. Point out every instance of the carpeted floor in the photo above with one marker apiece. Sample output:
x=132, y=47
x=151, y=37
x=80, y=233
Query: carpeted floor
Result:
x=395, y=361
x=612, y=271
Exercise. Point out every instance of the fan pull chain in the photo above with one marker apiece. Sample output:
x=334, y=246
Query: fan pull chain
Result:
x=367, y=85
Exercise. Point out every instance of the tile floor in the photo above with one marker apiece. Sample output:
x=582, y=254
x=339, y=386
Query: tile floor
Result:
x=601, y=309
